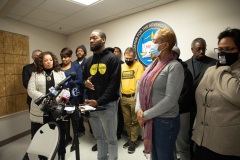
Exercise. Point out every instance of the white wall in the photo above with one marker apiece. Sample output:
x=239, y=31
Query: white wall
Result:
x=188, y=18
x=38, y=39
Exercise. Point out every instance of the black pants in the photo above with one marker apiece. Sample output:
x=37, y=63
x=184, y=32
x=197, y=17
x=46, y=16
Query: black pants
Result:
x=120, y=120
x=203, y=153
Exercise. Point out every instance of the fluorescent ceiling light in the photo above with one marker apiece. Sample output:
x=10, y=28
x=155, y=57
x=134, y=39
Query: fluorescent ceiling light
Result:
x=85, y=2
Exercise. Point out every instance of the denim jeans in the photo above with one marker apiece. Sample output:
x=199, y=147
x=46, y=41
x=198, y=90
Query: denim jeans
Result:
x=104, y=126
x=165, y=131
x=183, y=139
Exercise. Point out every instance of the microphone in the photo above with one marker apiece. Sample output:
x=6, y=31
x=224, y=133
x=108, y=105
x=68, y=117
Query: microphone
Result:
x=72, y=76
x=65, y=96
x=53, y=93
x=74, y=93
x=73, y=89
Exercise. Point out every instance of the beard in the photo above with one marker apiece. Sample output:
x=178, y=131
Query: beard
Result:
x=96, y=47
x=80, y=57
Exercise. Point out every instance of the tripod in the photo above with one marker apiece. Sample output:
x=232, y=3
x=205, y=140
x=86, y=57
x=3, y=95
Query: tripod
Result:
x=75, y=145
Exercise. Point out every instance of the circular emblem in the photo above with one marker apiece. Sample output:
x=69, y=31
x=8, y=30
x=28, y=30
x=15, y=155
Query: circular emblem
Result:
x=143, y=40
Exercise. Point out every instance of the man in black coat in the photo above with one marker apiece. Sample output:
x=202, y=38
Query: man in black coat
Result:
x=27, y=73
x=81, y=53
x=185, y=103
x=197, y=65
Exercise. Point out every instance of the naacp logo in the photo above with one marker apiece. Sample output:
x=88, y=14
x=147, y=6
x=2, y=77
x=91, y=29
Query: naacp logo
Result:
x=143, y=40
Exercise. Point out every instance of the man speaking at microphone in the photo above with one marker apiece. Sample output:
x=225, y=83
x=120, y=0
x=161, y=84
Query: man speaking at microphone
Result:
x=101, y=75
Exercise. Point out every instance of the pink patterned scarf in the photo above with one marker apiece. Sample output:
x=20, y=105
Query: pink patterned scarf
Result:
x=145, y=96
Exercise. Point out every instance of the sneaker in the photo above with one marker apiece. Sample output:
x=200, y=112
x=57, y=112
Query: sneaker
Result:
x=126, y=145
x=94, y=148
x=132, y=147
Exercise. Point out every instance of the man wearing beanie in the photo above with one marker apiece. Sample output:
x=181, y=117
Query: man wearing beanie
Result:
x=185, y=102
x=81, y=53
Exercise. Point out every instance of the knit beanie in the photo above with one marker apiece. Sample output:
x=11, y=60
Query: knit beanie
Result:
x=83, y=48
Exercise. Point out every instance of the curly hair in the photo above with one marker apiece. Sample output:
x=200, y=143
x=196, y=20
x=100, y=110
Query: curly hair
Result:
x=39, y=62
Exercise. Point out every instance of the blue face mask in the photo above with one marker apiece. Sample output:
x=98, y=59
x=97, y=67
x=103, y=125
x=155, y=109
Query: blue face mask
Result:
x=154, y=50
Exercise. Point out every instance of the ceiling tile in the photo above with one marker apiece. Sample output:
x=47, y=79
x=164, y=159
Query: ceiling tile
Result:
x=131, y=11
x=60, y=27
x=157, y=3
x=45, y=15
x=35, y=22
x=2, y=3
x=84, y=17
x=114, y=6
x=13, y=16
x=61, y=6
x=107, y=19
x=33, y=3
x=141, y=2
x=21, y=10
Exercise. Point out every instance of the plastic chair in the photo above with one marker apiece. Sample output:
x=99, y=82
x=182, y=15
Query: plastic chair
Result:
x=45, y=142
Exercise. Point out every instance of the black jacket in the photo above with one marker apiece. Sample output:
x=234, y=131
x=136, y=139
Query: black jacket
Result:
x=106, y=71
x=26, y=75
x=205, y=63
x=186, y=99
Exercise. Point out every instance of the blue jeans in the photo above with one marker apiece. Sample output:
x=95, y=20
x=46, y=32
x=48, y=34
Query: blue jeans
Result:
x=104, y=126
x=165, y=131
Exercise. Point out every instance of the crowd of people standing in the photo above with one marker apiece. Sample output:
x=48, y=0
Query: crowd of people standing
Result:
x=191, y=108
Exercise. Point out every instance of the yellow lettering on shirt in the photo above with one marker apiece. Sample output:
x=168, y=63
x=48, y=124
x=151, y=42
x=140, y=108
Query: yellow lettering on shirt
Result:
x=93, y=69
x=102, y=68
x=128, y=74
x=98, y=67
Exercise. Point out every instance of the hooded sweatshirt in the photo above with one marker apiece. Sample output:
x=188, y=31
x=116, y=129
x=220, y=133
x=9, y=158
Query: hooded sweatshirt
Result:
x=106, y=71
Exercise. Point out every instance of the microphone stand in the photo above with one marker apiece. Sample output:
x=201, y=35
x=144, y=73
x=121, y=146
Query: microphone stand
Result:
x=75, y=144
x=75, y=116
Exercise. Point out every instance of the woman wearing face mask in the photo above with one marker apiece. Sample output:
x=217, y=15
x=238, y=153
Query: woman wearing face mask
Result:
x=217, y=124
x=157, y=102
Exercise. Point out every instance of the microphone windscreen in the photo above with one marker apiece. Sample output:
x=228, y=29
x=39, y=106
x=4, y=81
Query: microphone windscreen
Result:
x=73, y=75
x=73, y=89
x=72, y=85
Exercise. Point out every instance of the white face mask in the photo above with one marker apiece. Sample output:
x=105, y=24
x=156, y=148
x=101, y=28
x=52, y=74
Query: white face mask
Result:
x=154, y=50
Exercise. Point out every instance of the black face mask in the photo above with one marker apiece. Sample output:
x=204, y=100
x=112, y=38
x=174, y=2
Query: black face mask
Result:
x=129, y=63
x=227, y=59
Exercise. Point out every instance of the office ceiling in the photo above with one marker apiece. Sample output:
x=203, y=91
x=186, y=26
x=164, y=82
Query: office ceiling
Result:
x=65, y=17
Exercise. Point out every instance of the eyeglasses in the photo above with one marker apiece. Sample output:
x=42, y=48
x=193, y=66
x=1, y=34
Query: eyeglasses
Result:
x=198, y=49
x=226, y=49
